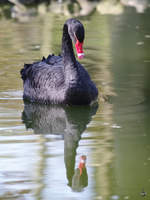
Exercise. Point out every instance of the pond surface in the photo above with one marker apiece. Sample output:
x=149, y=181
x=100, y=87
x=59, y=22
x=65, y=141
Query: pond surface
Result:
x=40, y=146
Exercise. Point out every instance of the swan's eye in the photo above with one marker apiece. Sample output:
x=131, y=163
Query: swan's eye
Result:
x=79, y=49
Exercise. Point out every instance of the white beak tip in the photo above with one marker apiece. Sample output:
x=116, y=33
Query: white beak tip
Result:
x=80, y=55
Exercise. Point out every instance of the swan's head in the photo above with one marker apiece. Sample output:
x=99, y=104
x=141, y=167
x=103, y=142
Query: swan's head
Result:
x=76, y=32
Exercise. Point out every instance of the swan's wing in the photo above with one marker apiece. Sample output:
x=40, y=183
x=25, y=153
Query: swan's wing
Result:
x=46, y=73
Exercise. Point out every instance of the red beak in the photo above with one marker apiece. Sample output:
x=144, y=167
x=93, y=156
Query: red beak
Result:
x=79, y=49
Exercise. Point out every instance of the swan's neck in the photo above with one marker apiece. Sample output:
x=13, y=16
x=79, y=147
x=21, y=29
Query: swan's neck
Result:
x=67, y=49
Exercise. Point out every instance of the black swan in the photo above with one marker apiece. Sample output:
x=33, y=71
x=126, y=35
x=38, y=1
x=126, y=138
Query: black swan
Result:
x=61, y=79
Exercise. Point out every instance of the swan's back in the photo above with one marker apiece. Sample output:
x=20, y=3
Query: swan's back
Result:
x=48, y=71
x=42, y=80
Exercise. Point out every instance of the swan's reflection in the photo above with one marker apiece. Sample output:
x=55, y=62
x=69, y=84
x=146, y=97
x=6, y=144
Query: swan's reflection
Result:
x=69, y=122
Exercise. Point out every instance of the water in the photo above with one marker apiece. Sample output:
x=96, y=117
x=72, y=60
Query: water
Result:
x=40, y=146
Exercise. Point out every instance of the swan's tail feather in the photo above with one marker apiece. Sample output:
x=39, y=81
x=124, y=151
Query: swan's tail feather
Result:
x=43, y=59
x=24, y=71
x=49, y=57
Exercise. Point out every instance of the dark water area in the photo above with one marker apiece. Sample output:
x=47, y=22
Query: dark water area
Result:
x=40, y=146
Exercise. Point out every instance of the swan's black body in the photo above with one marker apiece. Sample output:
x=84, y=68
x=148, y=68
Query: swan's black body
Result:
x=60, y=79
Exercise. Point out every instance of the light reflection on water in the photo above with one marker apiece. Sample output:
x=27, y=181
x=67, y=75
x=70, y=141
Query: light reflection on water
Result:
x=40, y=146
